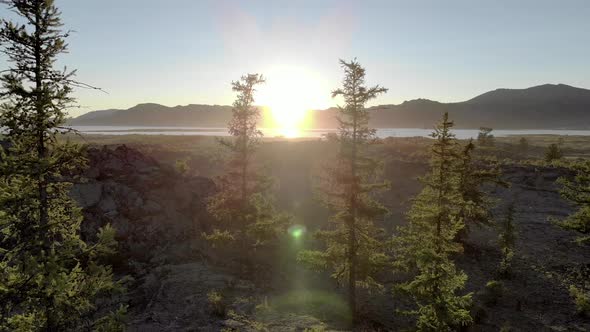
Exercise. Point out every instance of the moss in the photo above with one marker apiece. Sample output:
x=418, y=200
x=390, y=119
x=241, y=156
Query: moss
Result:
x=582, y=301
x=494, y=290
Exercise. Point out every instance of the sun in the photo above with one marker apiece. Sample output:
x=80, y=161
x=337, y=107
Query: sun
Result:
x=289, y=94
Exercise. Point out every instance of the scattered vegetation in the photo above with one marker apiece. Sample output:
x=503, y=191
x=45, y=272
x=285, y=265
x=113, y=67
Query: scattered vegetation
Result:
x=54, y=279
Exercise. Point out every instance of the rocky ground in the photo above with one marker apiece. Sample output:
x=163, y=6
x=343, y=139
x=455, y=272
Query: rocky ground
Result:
x=160, y=213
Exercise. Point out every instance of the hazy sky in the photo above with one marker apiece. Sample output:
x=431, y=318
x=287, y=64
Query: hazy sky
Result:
x=188, y=51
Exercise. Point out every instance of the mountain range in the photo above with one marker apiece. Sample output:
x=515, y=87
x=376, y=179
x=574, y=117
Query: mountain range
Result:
x=549, y=106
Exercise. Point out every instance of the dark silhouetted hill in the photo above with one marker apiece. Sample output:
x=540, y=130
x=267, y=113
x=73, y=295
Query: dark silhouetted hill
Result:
x=546, y=106
x=158, y=115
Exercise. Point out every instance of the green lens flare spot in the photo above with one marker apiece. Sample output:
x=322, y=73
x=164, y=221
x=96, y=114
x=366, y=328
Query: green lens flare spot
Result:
x=297, y=231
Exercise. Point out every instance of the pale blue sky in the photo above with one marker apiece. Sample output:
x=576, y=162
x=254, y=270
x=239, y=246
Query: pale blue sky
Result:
x=188, y=51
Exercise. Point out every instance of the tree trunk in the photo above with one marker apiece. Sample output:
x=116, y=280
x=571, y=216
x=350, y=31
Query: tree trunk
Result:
x=352, y=274
x=41, y=150
x=352, y=227
x=42, y=155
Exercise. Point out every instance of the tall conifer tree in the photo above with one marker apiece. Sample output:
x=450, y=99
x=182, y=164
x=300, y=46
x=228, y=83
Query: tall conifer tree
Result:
x=49, y=277
x=427, y=244
x=354, y=250
x=243, y=207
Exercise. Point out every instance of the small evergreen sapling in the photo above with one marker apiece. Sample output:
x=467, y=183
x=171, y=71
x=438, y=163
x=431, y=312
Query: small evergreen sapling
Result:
x=485, y=137
x=507, y=241
x=577, y=191
x=553, y=152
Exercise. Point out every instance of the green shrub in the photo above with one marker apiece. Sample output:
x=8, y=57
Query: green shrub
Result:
x=506, y=328
x=506, y=241
x=582, y=301
x=182, y=166
x=553, y=152
x=216, y=303
x=113, y=322
x=493, y=291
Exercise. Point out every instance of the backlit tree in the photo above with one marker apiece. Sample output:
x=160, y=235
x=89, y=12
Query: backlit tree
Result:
x=49, y=277
x=426, y=246
x=354, y=249
x=243, y=207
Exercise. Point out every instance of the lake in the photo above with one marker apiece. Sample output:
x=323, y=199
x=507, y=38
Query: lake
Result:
x=382, y=132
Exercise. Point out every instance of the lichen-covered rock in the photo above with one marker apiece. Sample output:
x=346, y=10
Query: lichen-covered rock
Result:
x=153, y=208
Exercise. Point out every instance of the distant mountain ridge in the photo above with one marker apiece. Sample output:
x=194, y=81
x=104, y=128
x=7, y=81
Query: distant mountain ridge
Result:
x=548, y=106
x=150, y=114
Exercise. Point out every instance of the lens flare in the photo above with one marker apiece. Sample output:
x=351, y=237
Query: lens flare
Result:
x=297, y=231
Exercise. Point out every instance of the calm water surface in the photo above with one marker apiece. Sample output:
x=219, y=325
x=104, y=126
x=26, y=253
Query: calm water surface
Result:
x=382, y=132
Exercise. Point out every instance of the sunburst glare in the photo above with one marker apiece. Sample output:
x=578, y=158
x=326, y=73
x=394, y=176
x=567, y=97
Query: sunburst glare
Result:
x=289, y=95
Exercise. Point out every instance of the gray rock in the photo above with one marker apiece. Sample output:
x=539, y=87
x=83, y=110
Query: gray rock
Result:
x=152, y=207
x=87, y=194
x=108, y=205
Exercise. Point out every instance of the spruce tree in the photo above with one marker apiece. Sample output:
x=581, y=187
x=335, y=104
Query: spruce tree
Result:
x=473, y=175
x=247, y=218
x=50, y=278
x=577, y=191
x=507, y=241
x=553, y=152
x=354, y=249
x=485, y=137
x=426, y=245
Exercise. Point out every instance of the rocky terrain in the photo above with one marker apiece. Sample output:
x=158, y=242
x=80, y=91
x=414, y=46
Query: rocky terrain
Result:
x=160, y=213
